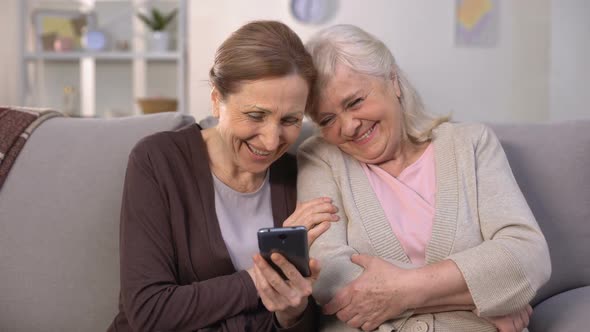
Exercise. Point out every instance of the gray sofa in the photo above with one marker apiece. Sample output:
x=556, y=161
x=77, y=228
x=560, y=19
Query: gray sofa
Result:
x=59, y=223
x=59, y=210
x=551, y=164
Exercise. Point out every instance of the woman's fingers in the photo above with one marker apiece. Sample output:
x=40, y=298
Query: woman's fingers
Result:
x=340, y=301
x=502, y=323
x=312, y=212
x=313, y=217
x=524, y=316
x=274, y=280
x=267, y=294
x=315, y=232
x=517, y=321
x=346, y=314
x=321, y=206
x=314, y=267
x=355, y=322
x=298, y=286
x=369, y=326
x=312, y=221
x=316, y=203
x=291, y=293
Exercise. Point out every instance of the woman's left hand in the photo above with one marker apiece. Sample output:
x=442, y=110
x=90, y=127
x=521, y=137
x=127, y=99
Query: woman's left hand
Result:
x=286, y=298
x=376, y=296
x=515, y=322
x=316, y=215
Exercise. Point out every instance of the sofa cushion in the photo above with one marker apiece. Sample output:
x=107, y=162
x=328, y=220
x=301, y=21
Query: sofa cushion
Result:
x=59, y=222
x=551, y=163
x=565, y=312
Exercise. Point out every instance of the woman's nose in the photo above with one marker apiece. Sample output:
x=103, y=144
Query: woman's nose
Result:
x=270, y=137
x=350, y=126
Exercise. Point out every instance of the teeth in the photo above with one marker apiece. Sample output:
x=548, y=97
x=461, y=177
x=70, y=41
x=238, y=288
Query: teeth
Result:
x=258, y=152
x=365, y=135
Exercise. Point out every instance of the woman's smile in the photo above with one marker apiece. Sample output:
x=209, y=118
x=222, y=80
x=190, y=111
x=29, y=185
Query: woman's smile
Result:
x=367, y=136
x=258, y=154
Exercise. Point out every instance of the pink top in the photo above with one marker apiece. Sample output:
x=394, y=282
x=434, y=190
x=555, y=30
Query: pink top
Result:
x=408, y=202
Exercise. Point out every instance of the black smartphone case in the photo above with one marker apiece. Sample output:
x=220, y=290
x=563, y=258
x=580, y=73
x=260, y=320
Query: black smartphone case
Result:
x=291, y=242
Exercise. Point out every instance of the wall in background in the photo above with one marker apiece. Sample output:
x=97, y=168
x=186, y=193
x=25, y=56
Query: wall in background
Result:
x=508, y=82
x=570, y=59
x=537, y=72
x=9, y=53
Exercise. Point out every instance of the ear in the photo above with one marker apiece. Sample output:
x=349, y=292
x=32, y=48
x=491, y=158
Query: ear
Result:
x=396, y=87
x=215, y=102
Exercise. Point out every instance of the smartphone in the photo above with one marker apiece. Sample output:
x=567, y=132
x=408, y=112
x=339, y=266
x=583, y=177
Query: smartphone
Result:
x=291, y=242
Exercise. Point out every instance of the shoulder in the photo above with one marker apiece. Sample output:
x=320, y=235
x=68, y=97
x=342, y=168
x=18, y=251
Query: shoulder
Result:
x=316, y=146
x=466, y=142
x=167, y=144
x=460, y=129
x=463, y=133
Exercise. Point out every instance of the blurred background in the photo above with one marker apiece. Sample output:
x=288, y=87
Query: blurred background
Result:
x=492, y=61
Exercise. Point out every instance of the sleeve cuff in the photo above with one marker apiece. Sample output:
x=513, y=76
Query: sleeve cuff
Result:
x=251, y=298
x=495, y=279
x=309, y=321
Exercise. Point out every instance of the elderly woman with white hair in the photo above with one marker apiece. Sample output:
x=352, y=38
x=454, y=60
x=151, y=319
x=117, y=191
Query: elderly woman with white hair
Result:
x=434, y=232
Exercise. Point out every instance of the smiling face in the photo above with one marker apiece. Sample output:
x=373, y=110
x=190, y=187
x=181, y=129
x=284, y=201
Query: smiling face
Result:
x=259, y=122
x=361, y=114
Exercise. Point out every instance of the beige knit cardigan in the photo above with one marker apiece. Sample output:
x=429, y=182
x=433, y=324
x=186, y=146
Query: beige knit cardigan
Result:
x=482, y=222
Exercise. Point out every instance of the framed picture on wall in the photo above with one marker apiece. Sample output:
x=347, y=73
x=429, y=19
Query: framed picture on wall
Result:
x=60, y=30
x=477, y=23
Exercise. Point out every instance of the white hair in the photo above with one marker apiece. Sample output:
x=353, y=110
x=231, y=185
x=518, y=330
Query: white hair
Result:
x=352, y=47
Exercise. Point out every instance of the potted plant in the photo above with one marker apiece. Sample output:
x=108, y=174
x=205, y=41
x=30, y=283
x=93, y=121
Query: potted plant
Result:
x=157, y=22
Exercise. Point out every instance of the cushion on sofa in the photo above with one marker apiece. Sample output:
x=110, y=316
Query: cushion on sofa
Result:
x=565, y=312
x=551, y=163
x=59, y=222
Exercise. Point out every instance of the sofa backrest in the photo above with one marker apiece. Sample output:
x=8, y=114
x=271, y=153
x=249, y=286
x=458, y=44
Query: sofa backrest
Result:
x=551, y=163
x=59, y=222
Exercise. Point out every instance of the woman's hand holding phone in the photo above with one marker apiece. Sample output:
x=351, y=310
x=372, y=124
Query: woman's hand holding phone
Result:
x=286, y=298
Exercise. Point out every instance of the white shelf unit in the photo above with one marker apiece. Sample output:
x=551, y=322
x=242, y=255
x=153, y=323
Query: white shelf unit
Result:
x=35, y=63
x=55, y=56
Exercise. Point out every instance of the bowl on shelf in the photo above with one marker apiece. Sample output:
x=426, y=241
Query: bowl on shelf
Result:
x=157, y=104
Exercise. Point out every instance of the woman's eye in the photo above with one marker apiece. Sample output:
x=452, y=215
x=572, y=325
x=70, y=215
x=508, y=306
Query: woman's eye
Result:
x=290, y=121
x=355, y=102
x=257, y=116
x=326, y=121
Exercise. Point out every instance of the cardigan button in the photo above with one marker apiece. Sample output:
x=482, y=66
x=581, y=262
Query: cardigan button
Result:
x=420, y=326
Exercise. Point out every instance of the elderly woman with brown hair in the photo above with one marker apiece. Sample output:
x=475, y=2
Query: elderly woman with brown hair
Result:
x=434, y=232
x=194, y=199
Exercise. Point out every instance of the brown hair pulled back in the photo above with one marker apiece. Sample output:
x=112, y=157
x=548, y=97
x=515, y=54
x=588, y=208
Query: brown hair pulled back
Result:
x=259, y=50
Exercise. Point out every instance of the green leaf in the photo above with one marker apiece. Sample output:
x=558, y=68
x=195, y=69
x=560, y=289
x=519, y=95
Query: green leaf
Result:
x=157, y=21
x=170, y=17
x=146, y=20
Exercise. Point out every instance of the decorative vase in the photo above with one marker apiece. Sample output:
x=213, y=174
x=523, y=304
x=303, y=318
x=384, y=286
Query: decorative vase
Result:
x=159, y=41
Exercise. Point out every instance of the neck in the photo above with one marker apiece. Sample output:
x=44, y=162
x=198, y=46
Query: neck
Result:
x=406, y=155
x=225, y=168
x=241, y=181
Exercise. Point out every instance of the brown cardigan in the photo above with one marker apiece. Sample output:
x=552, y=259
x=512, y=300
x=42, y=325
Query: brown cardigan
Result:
x=176, y=272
